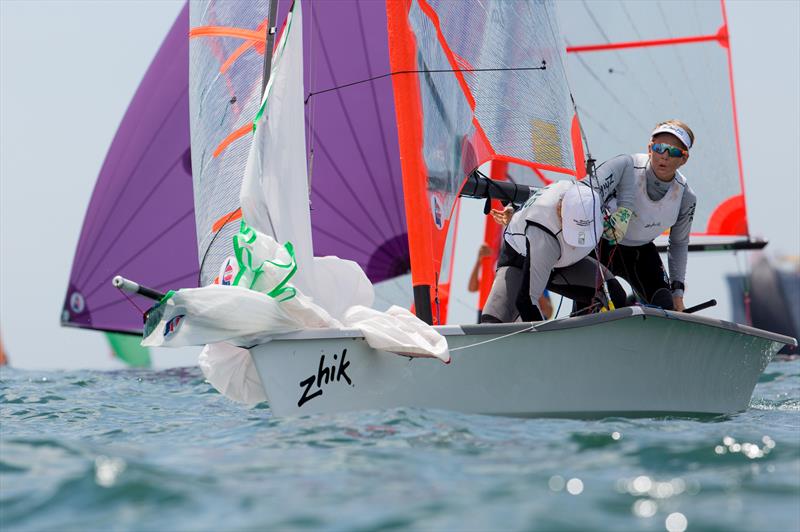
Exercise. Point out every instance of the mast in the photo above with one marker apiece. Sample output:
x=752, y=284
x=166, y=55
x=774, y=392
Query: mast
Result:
x=408, y=105
x=273, y=8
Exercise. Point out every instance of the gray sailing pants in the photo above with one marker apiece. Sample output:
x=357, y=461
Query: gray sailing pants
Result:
x=544, y=251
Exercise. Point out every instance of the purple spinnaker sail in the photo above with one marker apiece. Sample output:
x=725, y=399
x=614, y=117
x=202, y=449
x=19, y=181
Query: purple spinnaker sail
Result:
x=140, y=220
x=356, y=184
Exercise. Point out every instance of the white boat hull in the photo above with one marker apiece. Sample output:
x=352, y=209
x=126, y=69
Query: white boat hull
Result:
x=633, y=362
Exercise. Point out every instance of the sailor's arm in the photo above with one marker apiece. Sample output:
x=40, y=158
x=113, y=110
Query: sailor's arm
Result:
x=679, y=245
x=615, y=177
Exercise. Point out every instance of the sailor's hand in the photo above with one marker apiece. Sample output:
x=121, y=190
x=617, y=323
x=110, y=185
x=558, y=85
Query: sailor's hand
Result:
x=503, y=217
x=677, y=302
x=484, y=251
x=616, y=225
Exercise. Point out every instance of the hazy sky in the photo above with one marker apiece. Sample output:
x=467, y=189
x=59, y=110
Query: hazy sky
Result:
x=69, y=69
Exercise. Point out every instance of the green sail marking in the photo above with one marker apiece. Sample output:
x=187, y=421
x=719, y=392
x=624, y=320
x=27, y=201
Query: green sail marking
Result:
x=128, y=349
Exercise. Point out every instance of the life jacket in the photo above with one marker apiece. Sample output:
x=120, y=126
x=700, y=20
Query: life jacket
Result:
x=651, y=218
x=541, y=210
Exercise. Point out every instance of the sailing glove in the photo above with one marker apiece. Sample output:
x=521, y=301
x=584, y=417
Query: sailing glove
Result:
x=616, y=225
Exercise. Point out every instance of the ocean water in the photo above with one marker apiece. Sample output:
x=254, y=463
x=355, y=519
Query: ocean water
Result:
x=162, y=450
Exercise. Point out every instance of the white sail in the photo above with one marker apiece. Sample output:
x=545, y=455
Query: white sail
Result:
x=274, y=194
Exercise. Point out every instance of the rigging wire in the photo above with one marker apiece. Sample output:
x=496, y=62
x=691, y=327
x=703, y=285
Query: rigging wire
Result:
x=683, y=67
x=360, y=144
x=611, y=93
x=132, y=301
x=649, y=55
x=476, y=344
x=619, y=55
x=425, y=71
x=583, y=112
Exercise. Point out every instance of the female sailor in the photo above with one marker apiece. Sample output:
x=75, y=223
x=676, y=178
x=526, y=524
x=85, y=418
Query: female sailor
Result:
x=647, y=195
x=546, y=244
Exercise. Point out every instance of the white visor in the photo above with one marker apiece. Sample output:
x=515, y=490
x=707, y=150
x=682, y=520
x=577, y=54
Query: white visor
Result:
x=581, y=221
x=677, y=131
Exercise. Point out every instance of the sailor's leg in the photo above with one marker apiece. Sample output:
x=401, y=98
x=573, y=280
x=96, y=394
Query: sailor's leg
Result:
x=525, y=307
x=615, y=290
x=641, y=266
x=652, y=278
x=499, y=306
x=581, y=282
x=620, y=260
x=577, y=282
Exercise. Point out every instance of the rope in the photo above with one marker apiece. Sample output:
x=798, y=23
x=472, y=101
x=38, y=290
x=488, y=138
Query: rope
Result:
x=124, y=293
x=559, y=307
x=532, y=327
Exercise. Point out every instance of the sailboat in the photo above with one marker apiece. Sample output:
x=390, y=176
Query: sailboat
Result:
x=769, y=297
x=434, y=80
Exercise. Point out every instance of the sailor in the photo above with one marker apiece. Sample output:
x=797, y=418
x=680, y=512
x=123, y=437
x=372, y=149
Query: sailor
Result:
x=545, y=245
x=647, y=195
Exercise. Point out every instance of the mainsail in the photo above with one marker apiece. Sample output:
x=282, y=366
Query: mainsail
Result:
x=139, y=222
x=634, y=64
x=485, y=81
x=351, y=137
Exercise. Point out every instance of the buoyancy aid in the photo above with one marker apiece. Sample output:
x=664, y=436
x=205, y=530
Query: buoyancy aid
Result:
x=541, y=210
x=651, y=218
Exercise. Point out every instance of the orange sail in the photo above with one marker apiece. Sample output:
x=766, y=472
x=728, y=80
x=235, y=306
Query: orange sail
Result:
x=472, y=91
x=3, y=357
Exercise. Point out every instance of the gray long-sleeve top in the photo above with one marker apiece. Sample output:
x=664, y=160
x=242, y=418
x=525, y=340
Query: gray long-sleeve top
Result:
x=615, y=178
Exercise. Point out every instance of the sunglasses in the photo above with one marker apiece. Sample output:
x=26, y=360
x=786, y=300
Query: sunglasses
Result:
x=671, y=150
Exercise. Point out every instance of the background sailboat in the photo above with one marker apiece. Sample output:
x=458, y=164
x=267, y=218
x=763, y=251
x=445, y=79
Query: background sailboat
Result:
x=768, y=297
